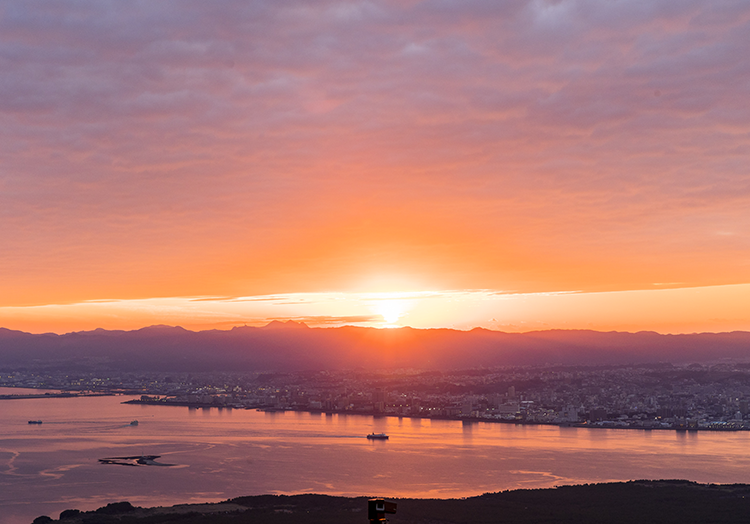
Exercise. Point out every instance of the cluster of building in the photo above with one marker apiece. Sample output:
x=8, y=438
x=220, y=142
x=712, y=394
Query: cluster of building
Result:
x=662, y=396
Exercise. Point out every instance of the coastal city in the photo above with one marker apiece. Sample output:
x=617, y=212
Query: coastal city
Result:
x=692, y=397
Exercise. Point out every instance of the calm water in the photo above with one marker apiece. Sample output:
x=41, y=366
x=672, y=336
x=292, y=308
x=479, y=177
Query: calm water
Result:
x=227, y=453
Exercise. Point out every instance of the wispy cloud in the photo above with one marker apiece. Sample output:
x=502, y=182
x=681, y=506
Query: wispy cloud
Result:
x=666, y=309
x=322, y=320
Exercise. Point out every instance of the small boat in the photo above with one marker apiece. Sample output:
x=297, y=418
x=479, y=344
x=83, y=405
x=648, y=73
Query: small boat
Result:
x=134, y=423
x=35, y=421
x=377, y=436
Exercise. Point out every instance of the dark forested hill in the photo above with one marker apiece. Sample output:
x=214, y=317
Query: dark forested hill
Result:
x=642, y=502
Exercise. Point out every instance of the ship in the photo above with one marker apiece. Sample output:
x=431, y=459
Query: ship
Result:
x=377, y=436
x=35, y=421
x=134, y=423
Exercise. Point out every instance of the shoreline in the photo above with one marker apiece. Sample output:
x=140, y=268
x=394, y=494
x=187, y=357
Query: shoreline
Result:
x=54, y=395
x=198, y=405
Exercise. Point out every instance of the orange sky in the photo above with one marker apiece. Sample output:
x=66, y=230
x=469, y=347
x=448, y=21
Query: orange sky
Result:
x=165, y=152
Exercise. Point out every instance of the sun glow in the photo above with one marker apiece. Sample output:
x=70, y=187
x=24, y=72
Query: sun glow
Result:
x=390, y=306
x=390, y=310
x=682, y=310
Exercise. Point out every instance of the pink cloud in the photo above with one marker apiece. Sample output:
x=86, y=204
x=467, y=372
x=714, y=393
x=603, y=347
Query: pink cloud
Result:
x=163, y=141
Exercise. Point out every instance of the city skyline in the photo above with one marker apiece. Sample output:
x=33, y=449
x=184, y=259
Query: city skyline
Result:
x=516, y=165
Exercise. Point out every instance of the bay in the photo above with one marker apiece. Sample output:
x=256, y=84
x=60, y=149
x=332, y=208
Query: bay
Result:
x=222, y=453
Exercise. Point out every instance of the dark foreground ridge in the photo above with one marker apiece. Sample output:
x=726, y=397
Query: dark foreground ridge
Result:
x=642, y=501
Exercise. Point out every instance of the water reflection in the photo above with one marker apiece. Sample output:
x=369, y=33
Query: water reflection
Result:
x=467, y=428
x=243, y=452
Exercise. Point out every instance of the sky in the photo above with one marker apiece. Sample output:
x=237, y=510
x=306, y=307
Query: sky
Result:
x=513, y=165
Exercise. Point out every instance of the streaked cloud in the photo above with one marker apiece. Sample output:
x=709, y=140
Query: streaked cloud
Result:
x=676, y=310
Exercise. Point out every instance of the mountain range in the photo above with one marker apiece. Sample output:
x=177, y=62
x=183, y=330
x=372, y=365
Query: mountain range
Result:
x=291, y=346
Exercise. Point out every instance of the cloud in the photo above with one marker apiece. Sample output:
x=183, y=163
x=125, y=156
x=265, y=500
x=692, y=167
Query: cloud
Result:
x=185, y=148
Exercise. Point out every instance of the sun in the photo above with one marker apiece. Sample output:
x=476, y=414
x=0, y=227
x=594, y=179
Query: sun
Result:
x=391, y=309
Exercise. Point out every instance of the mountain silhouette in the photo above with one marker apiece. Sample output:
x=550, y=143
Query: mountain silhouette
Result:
x=291, y=346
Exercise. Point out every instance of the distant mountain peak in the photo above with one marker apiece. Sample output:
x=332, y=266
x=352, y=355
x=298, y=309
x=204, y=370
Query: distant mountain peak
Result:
x=289, y=324
x=5, y=332
x=162, y=328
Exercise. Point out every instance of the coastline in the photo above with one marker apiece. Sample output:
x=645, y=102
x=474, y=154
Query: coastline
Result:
x=583, y=425
x=58, y=395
